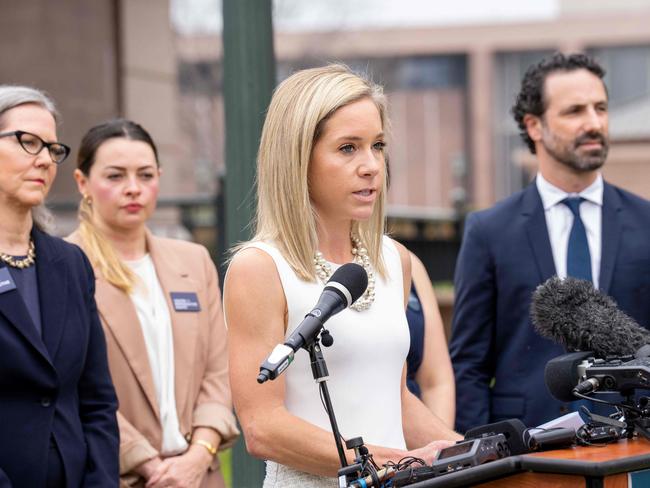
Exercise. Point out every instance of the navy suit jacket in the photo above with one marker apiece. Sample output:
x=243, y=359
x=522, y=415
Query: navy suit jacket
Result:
x=498, y=357
x=58, y=385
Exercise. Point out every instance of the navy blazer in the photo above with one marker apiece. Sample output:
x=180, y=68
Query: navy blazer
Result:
x=498, y=357
x=58, y=385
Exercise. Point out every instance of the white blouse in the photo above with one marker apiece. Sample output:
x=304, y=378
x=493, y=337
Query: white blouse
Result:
x=153, y=314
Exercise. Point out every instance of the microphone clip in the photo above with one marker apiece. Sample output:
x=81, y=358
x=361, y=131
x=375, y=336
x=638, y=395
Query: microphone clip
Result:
x=326, y=338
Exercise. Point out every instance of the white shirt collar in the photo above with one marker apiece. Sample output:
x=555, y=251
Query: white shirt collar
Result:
x=551, y=195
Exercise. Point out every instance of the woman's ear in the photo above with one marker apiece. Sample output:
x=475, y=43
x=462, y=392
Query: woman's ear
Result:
x=82, y=181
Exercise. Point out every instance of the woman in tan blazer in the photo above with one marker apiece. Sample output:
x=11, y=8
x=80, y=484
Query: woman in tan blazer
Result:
x=160, y=305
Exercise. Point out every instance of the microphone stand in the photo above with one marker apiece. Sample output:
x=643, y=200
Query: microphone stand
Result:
x=321, y=375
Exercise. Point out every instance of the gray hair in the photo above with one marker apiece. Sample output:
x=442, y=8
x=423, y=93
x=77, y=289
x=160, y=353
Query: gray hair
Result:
x=12, y=96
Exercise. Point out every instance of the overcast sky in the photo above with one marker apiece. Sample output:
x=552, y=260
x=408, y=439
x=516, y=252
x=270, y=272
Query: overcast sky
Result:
x=204, y=16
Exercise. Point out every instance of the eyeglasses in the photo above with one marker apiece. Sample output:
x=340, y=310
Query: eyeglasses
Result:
x=33, y=144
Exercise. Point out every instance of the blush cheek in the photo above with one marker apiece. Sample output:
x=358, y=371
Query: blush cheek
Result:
x=150, y=194
x=106, y=200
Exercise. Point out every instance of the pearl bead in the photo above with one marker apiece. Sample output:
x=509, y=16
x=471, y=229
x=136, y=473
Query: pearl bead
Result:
x=360, y=256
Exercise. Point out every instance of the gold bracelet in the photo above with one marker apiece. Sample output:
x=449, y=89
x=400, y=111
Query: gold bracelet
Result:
x=210, y=448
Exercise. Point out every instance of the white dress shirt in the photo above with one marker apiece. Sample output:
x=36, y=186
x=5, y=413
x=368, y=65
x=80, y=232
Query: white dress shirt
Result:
x=155, y=321
x=559, y=220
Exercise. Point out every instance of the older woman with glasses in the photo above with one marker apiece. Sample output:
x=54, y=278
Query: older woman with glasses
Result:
x=57, y=402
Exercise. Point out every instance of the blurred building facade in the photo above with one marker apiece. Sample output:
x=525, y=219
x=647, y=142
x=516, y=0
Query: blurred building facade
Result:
x=454, y=145
x=450, y=91
x=100, y=59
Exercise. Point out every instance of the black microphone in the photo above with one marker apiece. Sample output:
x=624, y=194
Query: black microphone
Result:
x=563, y=373
x=344, y=288
x=574, y=314
x=551, y=439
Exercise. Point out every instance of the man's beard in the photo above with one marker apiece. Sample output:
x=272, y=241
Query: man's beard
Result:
x=569, y=155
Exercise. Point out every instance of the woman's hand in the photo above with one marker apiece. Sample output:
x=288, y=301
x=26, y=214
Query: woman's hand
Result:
x=147, y=468
x=429, y=452
x=184, y=471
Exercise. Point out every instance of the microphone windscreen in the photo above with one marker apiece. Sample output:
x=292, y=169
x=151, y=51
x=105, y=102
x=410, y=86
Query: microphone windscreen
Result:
x=561, y=375
x=353, y=277
x=574, y=314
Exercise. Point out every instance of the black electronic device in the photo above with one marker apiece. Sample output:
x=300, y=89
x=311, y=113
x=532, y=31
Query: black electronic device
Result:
x=580, y=372
x=618, y=374
x=551, y=439
x=465, y=454
x=580, y=375
x=409, y=476
x=598, y=434
x=513, y=429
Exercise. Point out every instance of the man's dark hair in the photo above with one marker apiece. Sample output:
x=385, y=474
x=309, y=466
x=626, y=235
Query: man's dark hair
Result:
x=530, y=99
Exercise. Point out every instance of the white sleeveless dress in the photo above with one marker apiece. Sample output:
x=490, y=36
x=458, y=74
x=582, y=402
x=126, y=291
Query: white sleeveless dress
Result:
x=365, y=365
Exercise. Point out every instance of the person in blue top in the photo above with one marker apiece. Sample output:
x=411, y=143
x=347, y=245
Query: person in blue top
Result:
x=429, y=374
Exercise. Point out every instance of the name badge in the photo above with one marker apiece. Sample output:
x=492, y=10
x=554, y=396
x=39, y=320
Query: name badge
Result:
x=6, y=281
x=185, y=301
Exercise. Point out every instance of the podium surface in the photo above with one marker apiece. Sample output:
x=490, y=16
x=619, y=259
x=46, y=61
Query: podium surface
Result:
x=576, y=467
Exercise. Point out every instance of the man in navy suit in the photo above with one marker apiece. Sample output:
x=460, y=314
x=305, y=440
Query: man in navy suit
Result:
x=511, y=248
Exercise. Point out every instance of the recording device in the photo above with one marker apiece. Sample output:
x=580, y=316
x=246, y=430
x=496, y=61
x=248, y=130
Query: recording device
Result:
x=473, y=452
x=598, y=434
x=484, y=444
x=581, y=373
x=345, y=286
x=522, y=440
x=514, y=431
x=574, y=314
x=462, y=455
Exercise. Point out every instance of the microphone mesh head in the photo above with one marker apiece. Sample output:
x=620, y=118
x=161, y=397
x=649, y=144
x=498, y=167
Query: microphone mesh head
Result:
x=353, y=277
x=574, y=314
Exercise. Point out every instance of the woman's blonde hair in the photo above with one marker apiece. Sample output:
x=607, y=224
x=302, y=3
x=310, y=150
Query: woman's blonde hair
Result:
x=98, y=248
x=299, y=109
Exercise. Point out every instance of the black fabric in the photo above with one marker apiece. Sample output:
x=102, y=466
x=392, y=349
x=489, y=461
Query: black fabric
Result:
x=55, y=469
x=415, y=318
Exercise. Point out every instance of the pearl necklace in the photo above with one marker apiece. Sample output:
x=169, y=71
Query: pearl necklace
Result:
x=25, y=262
x=360, y=256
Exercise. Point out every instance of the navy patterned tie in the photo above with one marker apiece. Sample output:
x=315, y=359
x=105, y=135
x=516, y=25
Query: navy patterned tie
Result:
x=578, y=262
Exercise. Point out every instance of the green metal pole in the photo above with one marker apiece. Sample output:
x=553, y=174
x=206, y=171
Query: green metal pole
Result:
x=249, y=78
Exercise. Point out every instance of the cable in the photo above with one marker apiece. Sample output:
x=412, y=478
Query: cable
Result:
x=622, y=406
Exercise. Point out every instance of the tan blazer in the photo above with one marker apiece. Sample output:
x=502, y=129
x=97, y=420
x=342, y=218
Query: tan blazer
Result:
x=200, y=357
